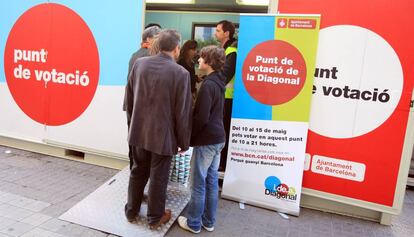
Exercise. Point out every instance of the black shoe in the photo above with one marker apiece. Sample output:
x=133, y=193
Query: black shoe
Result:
x=130, y=219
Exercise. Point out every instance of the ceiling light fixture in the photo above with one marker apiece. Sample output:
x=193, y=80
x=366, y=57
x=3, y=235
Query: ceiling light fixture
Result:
x=171, y=1
x=253, y=2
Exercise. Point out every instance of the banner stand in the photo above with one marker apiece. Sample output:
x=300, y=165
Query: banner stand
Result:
x=271, y=107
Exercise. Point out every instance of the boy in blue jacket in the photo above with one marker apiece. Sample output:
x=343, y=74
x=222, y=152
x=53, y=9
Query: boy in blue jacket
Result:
x=208, y=139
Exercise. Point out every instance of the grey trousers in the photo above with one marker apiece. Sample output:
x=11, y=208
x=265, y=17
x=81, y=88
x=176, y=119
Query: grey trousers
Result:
x=156, y=167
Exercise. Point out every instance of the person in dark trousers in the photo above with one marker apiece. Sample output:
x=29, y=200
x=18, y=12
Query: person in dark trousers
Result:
x=187, y=54
x=225, y=35
x=158, y=101
x=208, y=139
x=147, y=40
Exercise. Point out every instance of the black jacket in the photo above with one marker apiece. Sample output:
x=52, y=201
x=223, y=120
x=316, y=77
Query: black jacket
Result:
x=191, y=70
x=208, y=128
x=229, y=68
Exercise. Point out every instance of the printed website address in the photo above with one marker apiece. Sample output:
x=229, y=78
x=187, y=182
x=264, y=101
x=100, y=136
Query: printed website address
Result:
x=263, y=157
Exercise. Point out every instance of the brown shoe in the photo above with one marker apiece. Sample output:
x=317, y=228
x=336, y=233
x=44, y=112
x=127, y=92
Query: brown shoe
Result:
x=164, y=219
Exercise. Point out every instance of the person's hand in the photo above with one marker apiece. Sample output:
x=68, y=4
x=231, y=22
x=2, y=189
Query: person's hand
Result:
x=180, y=151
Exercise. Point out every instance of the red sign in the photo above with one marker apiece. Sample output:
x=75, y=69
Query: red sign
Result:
x=274, y=72
x=364, y=164
x=51, y=64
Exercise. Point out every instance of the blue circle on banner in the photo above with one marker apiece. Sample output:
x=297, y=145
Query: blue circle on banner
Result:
x=271, y=183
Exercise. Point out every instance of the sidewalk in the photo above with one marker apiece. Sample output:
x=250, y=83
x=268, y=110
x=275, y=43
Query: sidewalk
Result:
x=36, y=189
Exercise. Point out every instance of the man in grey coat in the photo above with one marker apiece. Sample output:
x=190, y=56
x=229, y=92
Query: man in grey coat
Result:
x=158, y=101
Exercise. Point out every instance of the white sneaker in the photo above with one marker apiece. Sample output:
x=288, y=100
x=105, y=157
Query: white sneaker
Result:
x=182, y=222
x=209, y=229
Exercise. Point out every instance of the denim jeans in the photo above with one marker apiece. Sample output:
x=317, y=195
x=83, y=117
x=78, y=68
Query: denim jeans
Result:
x=204, y=186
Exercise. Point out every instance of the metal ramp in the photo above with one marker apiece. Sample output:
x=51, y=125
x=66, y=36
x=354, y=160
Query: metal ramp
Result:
x=104, y=208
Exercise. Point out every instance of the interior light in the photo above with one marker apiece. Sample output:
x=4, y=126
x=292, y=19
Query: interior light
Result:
x=171, y=1
x=253, y=2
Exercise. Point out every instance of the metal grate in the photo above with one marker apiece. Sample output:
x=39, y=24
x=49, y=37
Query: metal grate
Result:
x=104, y=208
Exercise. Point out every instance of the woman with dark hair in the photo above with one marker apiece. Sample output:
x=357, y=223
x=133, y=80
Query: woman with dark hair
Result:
x=186, y=59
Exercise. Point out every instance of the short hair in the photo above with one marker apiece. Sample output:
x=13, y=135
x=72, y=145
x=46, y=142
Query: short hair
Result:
x=153, y=24
x=168, y=40
x=228, y=26
x=213, y=56
x=150, y=33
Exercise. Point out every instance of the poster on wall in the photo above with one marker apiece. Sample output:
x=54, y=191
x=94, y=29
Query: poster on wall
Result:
x=361, y=97
x=274, y=78
x=65, y=66
x=13, y=121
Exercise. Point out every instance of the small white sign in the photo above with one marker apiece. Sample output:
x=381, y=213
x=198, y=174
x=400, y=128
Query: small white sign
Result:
x=338, y=168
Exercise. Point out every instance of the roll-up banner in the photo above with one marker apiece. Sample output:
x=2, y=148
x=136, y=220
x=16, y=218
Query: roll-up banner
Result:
x=63, y=69
x=271, y=105
x=363, y=84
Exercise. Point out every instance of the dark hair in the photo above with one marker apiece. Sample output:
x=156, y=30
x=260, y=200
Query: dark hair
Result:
x=228, y=26
x=213, y=56
x=152, y=24
x=189, y=44
x=168, y=39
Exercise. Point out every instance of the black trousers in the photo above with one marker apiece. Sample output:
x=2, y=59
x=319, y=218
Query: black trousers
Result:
x=148, y=165
x=131, y=159
x=228, y=105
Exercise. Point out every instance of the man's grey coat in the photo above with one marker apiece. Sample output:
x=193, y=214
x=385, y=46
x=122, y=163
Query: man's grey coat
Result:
x=158, y=104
